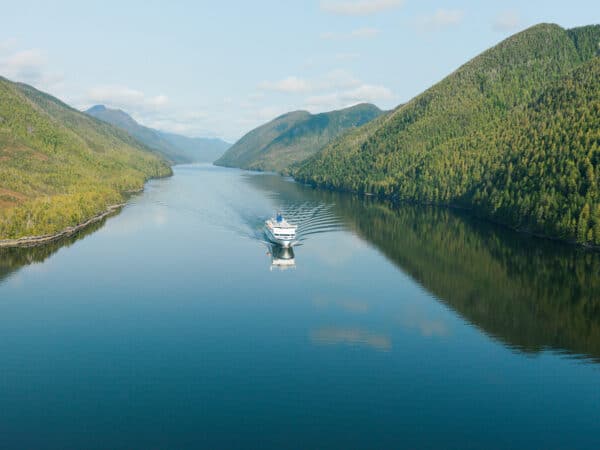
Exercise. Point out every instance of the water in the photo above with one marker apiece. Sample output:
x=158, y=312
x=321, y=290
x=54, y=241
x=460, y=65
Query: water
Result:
x=175, y=325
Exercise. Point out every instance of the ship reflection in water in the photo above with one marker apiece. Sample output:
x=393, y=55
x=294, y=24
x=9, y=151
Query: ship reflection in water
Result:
x=282, y=258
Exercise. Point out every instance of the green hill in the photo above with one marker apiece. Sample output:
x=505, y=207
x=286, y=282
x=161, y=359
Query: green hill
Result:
x=176, y=148
x=60, y=167
x=293, y=137
x=513, y=134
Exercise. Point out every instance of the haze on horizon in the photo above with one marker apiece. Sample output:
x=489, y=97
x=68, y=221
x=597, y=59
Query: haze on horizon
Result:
x=223, y=68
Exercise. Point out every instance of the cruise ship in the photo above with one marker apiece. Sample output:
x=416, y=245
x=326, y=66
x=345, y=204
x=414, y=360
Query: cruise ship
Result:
x=280, y=232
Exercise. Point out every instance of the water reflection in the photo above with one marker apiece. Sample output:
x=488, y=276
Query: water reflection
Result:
x=282, y=258
x=350, y=336
x=531, y=294
x=349, y=305
x=12, y=259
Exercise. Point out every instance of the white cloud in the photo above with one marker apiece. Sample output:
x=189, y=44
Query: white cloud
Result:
x=291, y=84
x=414, y=317
x=128, y=99
x=24, y=65
x=350, y=336
x=359, y=33
x=506, y=21
x=31, y=66
x=28, y=66
x=26, y=59
x=358, y=8
x=190, y=123
x=332, y=90
x=365, y=93
x=442, y=18
x=335, y=79
x=160, y=112
x=369, y=93
x=153, y=111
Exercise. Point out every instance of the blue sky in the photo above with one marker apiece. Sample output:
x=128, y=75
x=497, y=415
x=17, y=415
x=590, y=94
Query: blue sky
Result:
x=208, y=68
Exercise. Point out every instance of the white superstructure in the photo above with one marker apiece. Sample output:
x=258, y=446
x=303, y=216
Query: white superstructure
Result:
x=279, y=231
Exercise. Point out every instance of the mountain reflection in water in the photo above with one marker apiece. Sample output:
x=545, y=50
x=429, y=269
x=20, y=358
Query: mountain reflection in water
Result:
x=354, y=336
x=12, y=259
x=282, y=258
x=531, y=294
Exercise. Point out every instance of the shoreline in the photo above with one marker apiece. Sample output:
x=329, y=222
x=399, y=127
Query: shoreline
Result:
x=469, y=211
x=32, y=241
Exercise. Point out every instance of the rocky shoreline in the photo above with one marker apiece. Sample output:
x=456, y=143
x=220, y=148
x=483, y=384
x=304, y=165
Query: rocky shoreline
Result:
x=31, y=241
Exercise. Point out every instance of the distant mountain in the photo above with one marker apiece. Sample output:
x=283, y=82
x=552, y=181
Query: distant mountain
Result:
x=197, y=149
x=60, y=167
x=512, y=135
x=294, y=137
x=176, y=148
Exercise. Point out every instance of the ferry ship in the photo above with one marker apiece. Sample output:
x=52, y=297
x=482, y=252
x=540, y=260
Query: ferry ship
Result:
x=280, y=232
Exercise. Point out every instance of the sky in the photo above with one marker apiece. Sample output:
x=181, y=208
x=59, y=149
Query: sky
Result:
x=219, y=69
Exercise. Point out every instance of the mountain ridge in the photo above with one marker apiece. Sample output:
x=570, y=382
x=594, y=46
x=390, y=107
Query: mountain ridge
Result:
x=293, y=137
x=175, y=147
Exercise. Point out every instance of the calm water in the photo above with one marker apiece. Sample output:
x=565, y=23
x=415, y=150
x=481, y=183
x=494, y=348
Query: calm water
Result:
x=174, y=325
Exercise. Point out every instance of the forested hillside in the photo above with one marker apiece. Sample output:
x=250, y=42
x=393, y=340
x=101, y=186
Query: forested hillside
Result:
x=176, y=148
x=513, y=134
x=59, y=167
x=547, y=178
x=294, y=137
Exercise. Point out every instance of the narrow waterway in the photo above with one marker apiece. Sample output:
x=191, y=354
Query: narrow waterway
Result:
x=174, y=324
